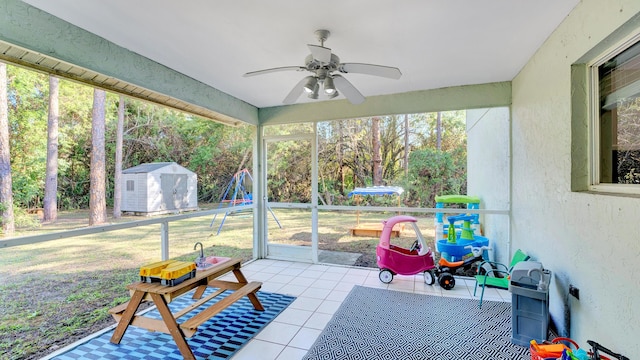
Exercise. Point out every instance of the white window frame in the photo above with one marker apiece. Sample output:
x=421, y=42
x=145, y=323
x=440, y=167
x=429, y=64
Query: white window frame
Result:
x=594, y=120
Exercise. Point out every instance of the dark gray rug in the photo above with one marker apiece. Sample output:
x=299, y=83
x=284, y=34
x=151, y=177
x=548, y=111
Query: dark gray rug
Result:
x=382, y=324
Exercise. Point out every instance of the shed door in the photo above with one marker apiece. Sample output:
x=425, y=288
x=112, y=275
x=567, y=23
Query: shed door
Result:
x=174, y=191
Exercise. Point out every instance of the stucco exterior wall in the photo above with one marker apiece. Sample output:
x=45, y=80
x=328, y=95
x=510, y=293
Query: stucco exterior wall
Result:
x=488, y=174
x=586, y=239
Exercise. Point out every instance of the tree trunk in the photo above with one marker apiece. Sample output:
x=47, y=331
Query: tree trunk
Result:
x=377, y=156
x=406, y=145
x=50, y=202
x=117, y=174
x=340, y=156
x=439, y=131
x=245, y=158
x=6, y=194
x=97, y=192
x=356, y=161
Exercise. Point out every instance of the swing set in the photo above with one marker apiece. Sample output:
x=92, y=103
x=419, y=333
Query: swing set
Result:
x=239, y=197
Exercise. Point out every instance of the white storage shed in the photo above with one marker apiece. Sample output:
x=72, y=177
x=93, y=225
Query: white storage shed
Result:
x=157, y=188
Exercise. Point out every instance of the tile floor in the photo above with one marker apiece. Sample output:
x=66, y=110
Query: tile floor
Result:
x=320, y=290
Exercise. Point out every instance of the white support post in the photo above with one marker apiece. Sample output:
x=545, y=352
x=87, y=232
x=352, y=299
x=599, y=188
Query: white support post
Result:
x=314, y=195
x=164, y=239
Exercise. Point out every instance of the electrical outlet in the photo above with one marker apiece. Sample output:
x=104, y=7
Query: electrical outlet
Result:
x=574, y=291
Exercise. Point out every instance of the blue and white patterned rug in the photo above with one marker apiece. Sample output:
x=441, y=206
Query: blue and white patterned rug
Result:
x=380, y=324
x=218, y=338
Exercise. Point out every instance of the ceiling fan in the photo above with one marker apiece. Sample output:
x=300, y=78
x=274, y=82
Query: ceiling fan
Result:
x=326, y=79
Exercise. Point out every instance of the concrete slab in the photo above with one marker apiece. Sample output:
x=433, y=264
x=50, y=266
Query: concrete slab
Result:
x=338, y=257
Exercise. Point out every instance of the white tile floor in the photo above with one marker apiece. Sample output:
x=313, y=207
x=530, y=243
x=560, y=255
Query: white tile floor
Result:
x=320, y=289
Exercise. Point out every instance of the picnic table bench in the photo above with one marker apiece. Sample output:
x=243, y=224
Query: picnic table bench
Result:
x=162, y=295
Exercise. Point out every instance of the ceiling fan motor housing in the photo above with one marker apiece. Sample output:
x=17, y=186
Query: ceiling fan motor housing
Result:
x=314, y=65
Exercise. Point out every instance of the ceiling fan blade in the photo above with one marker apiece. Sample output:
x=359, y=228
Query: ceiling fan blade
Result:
x=348, y=90
x=295, y=93
x=278, y=69
x=370, y=69
x=320, y=53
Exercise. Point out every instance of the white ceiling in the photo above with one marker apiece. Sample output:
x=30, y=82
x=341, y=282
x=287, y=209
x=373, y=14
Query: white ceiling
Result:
x=435, y=43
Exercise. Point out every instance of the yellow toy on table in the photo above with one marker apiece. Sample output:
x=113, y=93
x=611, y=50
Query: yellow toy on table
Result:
x=168, y=272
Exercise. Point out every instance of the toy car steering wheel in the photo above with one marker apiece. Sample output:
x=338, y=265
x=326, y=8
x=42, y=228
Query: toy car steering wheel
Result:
x=415, y=246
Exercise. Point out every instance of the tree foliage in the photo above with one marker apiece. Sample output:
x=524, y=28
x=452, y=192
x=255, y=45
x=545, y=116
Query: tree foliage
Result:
x=151, y=134
x=215, y=152
x=346, y=148
x=27, y=95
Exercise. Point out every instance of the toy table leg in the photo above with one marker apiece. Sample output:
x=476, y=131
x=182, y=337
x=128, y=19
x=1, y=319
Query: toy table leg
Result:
x=172, y=325
x=167, y=317
x=127, y=316
x=252, y=296
x=199, y=292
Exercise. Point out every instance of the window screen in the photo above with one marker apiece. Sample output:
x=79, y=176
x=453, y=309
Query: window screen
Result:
x=619, y=121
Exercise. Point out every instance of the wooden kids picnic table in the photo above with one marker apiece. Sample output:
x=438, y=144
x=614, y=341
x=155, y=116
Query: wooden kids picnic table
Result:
x=161, y=295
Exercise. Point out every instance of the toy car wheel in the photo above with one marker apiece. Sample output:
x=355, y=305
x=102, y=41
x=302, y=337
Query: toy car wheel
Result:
x=385, y=276
x=429, y=277
x=447, y=281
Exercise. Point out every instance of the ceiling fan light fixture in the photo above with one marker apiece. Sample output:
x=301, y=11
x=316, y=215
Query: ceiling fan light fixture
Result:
x=311, y=84
x=333, y=94
x=329, y=88
x=314, y=94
